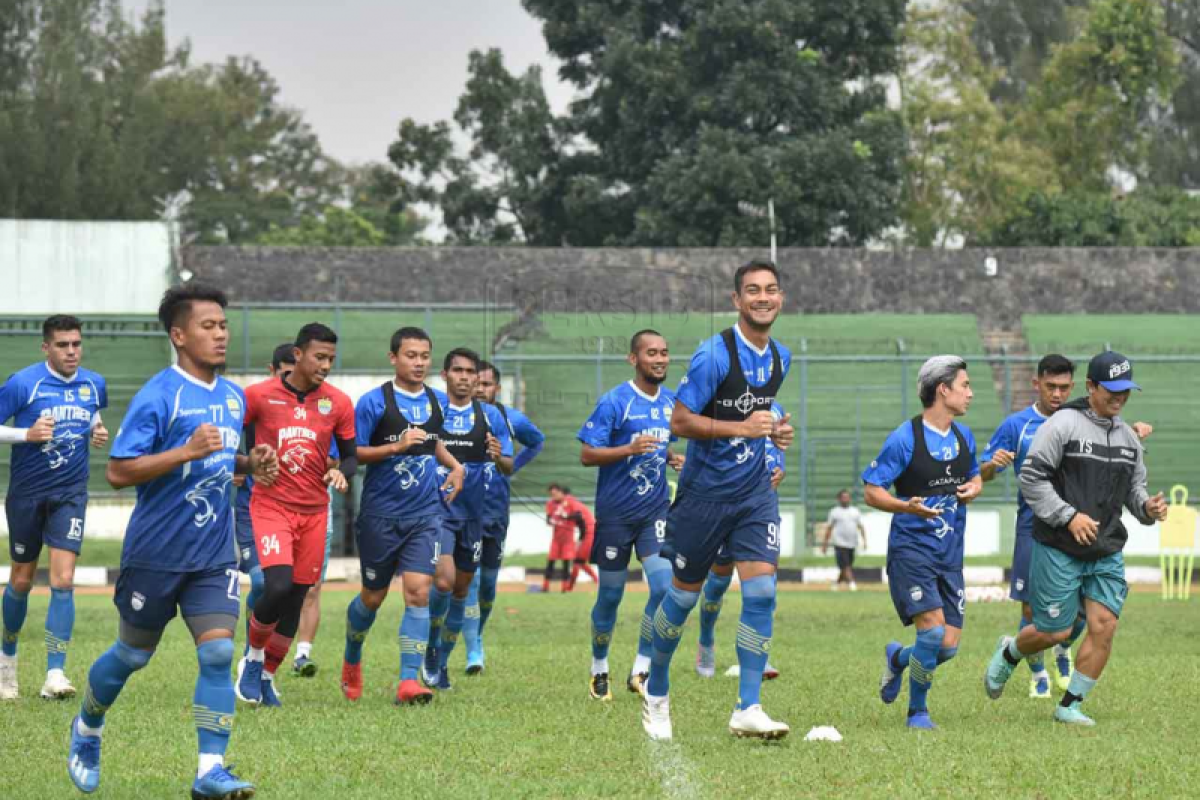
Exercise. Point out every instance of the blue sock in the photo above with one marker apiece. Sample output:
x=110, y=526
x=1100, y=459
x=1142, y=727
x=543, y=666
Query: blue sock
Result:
x=1036, y=662
x=487, y=595
x=668, y=627
x=212, y=704
x=900, y=660
x=715, y=587
x=414, y=633
x=922, y=663
x=60, y=620
x=450, y=629
x=107, y=678
x=256, y=590
x=658, y=575
x=439, y=601
x=604, y=612
x=15, y=605
x=470, y=629
x=1076, y=630
x=945, y=654
x=754, y=637
x=359, y=620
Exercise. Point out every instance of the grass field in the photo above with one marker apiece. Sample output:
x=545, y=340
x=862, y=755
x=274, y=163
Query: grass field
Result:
x=527, y=729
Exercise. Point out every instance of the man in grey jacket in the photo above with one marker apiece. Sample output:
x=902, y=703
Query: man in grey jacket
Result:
x=1084, y=466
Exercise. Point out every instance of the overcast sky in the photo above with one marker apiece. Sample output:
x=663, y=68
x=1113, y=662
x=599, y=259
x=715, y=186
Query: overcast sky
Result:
x=357, y=67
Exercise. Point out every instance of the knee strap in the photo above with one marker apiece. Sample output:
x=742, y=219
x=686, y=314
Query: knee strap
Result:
x=132, y=657
x=215, y=653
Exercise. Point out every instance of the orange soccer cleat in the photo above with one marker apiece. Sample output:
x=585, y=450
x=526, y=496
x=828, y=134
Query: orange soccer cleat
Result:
x=412, y=693
x=352, y=680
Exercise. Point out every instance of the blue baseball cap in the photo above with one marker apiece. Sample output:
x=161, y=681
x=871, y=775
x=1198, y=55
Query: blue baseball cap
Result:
x=1112, y=371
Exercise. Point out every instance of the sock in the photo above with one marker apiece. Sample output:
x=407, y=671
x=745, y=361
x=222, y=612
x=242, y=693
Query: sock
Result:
x=487, y=595
x=921, y=663
x=275, y=652
x=1076, y=631
x=599, y=666
x=439, y=601
x=715, y=587
x=470, y=629
x=668, y=627
x=754, y=637
x=451, y=629
x=1012, y=654
x=15, y=606
x=658, y=575
x=359, y=620
x=546, y=576
x=256, y=590
x=1036, y=662
x=303, y=649
x=260, y=636
x=414, y=633
x=213, y=701
x=900, y=659
x=604, y=613
x=107, y=678
x=1078, y=689
x=60, y=619
x=945, y=654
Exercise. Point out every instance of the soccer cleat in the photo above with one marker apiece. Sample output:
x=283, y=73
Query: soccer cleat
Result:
x=998, y=670
x=83, y=760
x=475, y=658
x=57, y=687
x=1039, y=686
x=706, y=662
x=636, y=682
x=893, y=680
x=270, y=697
x=304, y=667
x=443, y=680
x=921, y=721
x=8, y=677
x=220, y=783
x=429, y=669
x=249, y=683
x=1073, y=716
x=351, y=680
x=769, y=672
x=754, y=723
x=656, y=717
x=412, y=693
x=598, y=688
x=1064, y=665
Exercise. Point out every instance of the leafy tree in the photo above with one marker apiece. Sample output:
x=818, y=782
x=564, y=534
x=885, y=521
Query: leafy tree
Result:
x=1164, y=217
x=334, y=227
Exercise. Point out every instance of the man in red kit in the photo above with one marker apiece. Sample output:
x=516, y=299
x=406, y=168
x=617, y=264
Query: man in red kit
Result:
x=562, y=544
x=299, y=415
x=586, y=523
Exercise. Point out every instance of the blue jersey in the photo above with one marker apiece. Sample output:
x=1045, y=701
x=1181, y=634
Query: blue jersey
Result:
x=403, y=486
x=498, y=486
x=183, y=521
x=940, y=538
x=634, y=488
x=469, y=504
x=775, y=457
x=62, y=462
x=1016, y=434
x=725, y=469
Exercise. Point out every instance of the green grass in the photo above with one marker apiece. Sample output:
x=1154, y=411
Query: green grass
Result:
x=526, y=728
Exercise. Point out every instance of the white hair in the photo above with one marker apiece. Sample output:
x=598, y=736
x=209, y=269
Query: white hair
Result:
x=937, y=371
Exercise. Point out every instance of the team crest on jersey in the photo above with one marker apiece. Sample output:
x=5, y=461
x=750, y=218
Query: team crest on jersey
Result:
x=235, y=408
x=325, y=405
x=85, y=392
x=138, y=601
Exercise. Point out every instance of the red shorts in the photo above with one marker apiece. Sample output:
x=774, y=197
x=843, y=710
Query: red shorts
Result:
x=583, y=550
x=289, y=538
x=562, y=548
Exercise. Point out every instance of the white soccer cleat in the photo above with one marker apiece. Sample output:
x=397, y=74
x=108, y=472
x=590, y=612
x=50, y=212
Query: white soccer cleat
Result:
x=8, y=677
x=57, y=687
x=754, y=723
x=706, y=662
x=656, y=717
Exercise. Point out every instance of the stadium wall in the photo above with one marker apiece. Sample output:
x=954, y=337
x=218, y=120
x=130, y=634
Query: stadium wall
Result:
x=1034, y=280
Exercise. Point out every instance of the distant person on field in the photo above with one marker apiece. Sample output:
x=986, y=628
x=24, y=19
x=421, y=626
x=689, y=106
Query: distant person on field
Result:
x=562, y=543
x=844, y=526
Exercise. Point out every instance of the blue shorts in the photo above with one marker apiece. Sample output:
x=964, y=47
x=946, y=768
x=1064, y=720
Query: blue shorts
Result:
x=917, y=586
x=387, y=546
x=464, y=538
x=1018, y=587
x=148, y=598
x=616, y=541
x=495, y=532
x=55, y=520
x=698, y=528
x=244, y=533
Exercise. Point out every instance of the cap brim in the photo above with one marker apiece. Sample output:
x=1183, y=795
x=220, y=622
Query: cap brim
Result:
x=1120, y=386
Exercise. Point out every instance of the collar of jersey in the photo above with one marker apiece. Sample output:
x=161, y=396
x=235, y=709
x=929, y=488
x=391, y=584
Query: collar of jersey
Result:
x=62, y=378
x=453, y=407
x=299, y=395
x=194, y=379
x=943, y=434
x=420, y=393
x=642, y=394
x=738, y=331
x=1037, y=411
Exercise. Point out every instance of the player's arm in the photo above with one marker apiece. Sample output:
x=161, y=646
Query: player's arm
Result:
x=123, y=472
x=687, y=424
x=13, y=397
x=499, y=443
x=1000, y=453
x=603, y=456
x=339, y=476
x=880, y=498
x=454, y=481
x=531, y=440
x=1147, y=509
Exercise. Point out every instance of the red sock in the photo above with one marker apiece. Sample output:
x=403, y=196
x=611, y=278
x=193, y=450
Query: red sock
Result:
x=277, y=650
x=260, y=634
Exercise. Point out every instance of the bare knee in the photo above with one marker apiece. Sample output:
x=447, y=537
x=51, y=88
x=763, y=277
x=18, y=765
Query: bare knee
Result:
x=373, y=598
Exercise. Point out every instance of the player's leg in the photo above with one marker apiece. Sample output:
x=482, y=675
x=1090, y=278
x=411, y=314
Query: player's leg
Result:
x=1104, y=591
x=657, y=571
x=612, y=552
x=489, y=576
x=850, y=569
x=439, y=597
x=277, y=534
x=1018, y=590
x=1063, y=661
x=248, y=564
x=26, y=523
x=378, y=558
x=468, y=549
x=470, y=631
x=715, y=586
x=310, y=614
x=417, y=562
x=65, y=518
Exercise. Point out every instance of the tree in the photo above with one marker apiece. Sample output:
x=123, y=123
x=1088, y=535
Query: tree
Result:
x=1165, y=217
x=334, y=227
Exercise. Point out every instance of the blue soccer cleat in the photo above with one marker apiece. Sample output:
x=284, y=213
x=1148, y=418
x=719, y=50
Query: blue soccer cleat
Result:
x=429, y=669
x=475, y=658
x=270, y=697
x=83, y=760
x=893, y=679
x=998, y=670
x=249, y=682
x=1039, y=686
x=220, y=783
x=921, y=721
x=1073, y=716
x=443, y=680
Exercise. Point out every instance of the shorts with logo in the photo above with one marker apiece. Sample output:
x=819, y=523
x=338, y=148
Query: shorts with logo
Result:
x=698, y=530
x=54, y=520
x=562, y=546
x=918, y=585
x=725, y=558
x=387, y=546
x=284, y=537
x=463, y=538
x=616, y=541
x=1061, y=582
x=1018, y=585
x=148, y=598
x=495, y=532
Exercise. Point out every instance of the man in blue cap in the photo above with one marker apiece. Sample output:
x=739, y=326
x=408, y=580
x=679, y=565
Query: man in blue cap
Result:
x=1084, y=466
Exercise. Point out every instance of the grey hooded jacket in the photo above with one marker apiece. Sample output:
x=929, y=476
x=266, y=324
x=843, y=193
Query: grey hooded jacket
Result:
x=1082, y=462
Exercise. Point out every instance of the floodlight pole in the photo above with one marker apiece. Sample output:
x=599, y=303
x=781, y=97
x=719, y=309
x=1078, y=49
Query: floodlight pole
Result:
x=771, y=222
